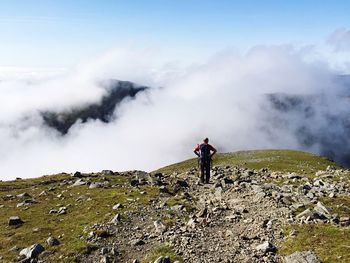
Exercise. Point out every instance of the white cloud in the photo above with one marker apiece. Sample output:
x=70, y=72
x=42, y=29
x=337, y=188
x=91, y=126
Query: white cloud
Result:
x=222, y=98
x=340, y=39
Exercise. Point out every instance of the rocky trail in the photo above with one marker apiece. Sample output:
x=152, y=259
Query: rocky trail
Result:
x=239, y=217
x=243, y=215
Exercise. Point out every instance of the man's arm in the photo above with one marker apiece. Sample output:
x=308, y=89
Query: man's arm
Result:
x=196, y=150
x=213, y=150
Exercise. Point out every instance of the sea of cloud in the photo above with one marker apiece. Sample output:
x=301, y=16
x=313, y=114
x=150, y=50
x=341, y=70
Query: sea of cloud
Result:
x=223, y=98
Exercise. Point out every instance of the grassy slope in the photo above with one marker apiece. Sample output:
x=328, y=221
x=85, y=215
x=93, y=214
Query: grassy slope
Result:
x=70, y=225
x=276, y=160
x=331, y=243
x=99, y=208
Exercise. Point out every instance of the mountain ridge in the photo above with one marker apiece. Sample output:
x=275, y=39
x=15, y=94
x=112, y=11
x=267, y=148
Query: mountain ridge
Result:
x=128, y=216
x=116, y=92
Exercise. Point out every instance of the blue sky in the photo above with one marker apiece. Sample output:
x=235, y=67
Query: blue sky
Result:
x=61, y=33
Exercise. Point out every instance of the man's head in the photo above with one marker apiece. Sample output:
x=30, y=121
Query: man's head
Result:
x=206, y=140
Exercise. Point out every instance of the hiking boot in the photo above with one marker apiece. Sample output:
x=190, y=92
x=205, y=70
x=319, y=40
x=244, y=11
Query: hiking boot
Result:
x=200, y=182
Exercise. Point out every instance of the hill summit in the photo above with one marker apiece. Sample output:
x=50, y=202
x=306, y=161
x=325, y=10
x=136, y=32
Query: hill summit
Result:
x=261, y=206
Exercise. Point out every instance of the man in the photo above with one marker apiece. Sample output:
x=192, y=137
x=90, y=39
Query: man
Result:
x=205, y=152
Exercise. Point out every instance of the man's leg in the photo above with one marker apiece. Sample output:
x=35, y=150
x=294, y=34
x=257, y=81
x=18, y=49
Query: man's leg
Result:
x=207, y=173
x=202, y=173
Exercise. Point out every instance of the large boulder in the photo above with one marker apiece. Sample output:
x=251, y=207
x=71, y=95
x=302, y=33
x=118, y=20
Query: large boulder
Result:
x=32, y=251
x=302, y=257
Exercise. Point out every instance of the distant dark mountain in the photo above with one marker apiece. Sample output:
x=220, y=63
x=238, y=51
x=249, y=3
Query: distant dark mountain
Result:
x=343, y=79
x=319, y=122
x=103, y=110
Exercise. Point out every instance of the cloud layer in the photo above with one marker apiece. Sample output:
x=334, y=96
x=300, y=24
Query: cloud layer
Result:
x=224, y=98
x=340, y=39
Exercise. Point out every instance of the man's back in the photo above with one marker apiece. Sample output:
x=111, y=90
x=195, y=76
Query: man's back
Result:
x=205, y=151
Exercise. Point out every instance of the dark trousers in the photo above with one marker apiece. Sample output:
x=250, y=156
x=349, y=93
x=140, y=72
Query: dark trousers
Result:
x=205, y=172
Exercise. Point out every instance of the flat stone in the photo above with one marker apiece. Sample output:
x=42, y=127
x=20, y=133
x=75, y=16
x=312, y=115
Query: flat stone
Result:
x=322, y=210
x=116, y=219
x=82, y=198
x=177, y=207
x=302, y=257
x=332, y=195
x=78, y=182
x=26, y=202
x=62, y=210
x=43, y=193
x=96, y=185
x=24, y=195
x=306, y=213
x=266, y=247
x=117, y=206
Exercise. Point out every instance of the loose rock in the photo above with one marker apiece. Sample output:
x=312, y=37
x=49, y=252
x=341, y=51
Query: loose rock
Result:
x=266, y=247
x=15, y=220
x=32, y=251
x=116, y=219
x=52, y=241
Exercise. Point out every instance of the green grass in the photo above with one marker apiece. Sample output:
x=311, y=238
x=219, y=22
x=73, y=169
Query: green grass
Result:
x=99, y=209
x=275, y=160
x=330, y=243
x=34, y=182
x=179, y=200
x=339, y=205
x=163, y=250
x=70, y=226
